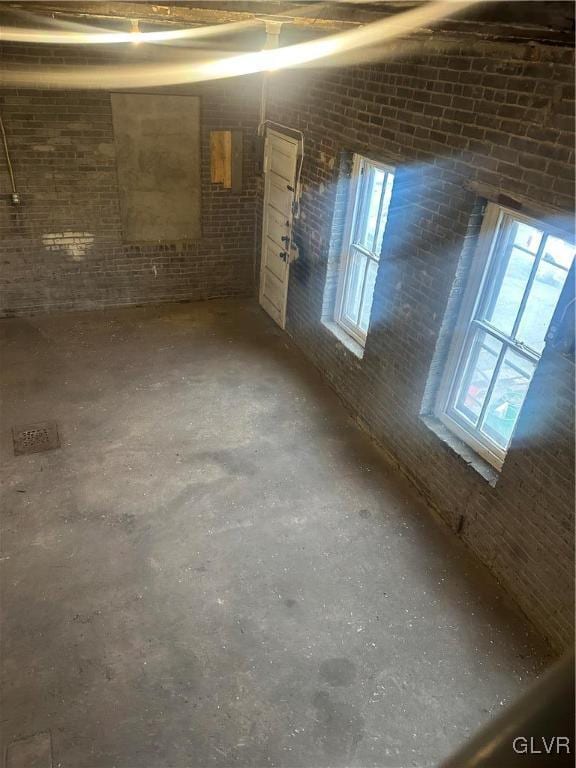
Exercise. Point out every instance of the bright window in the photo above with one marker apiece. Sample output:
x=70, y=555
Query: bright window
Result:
x=520, y=271
x=370, y=193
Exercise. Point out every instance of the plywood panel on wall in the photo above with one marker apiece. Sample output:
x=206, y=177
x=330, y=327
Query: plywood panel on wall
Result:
x=221, y=158
x=158, y=156
x=226, y=159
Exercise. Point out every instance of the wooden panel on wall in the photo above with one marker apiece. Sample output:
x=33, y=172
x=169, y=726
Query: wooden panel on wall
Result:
x=226, y=159
x=221, y=158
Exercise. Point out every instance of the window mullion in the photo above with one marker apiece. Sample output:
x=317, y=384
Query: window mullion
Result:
x=357, y=179
x=489, y=329
x=531, y=278
x=364, y=274
x=363, y=251
x=496, y=268
x=365, y=180
x=494, y=332
x=364, y=288
x=517, y=346
x=347, y=279
x=348, y=287
x=491, y=386
x=378, y=220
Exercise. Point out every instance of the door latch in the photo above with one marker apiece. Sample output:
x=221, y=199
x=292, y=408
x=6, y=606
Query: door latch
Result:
x=285, y=239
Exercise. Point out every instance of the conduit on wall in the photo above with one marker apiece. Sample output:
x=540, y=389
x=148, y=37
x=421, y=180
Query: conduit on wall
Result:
x=15, y=197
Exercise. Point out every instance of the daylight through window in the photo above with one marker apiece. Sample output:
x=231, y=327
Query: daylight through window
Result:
x=521, y=271
x=371, y=191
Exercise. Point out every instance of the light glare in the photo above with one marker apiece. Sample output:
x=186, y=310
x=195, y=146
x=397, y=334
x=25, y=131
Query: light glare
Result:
x=138, y=76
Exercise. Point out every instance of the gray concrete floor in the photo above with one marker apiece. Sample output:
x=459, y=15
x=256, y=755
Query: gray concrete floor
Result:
x=217, y=569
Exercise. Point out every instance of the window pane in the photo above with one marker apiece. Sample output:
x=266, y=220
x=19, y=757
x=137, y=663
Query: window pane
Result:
x=367, y=222
x=371, y=273
x=544, y=293
x=480, y=367
x=527, y=237
x=388, y=183
x=559, y=252
x=510, y=283
x=354, y=284
x=507, y=397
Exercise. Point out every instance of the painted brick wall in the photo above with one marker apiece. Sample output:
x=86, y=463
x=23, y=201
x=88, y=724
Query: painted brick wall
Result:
x=62, y=248
x=499, y=115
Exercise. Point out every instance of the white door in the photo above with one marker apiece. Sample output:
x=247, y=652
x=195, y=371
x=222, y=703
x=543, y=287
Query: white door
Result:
x=280, y=159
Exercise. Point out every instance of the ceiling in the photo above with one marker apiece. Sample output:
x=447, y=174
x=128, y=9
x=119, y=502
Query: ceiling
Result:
x=551, y=22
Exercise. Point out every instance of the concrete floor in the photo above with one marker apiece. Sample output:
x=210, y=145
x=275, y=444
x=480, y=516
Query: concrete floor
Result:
x=217, y=569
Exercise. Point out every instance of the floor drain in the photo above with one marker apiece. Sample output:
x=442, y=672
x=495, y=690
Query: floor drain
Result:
x=34, y=438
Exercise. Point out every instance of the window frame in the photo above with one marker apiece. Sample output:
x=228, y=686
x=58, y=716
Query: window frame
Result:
x=477, y=293
x=353, y=208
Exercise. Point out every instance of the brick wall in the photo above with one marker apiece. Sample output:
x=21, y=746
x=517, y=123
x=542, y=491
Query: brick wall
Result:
x=451, y=116
x=62, y=248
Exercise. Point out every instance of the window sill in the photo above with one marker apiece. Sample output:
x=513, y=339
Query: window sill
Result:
x=351, y=344
x=469, y=455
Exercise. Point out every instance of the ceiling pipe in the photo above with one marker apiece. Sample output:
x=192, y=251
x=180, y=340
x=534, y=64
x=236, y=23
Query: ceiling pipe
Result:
x=273, y=26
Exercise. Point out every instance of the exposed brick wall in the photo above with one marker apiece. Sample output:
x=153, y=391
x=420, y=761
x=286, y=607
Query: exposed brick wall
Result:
x=62, y=248
x=496, y=114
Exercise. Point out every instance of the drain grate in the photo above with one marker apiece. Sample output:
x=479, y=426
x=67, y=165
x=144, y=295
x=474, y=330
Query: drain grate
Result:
x=34, y=438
